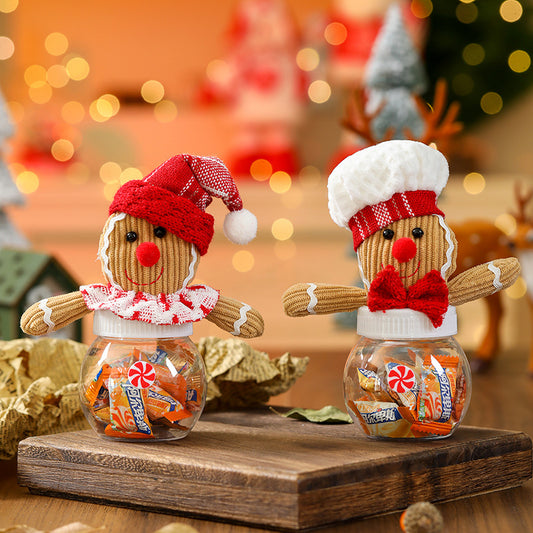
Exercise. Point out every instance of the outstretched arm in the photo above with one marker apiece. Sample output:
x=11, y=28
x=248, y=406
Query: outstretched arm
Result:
x=483, y=280
x=53, y=313
x=237, y=318
x=305, y=299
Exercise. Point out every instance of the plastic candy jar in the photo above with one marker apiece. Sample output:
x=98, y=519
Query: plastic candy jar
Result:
x=406, y=378
x=141, y=380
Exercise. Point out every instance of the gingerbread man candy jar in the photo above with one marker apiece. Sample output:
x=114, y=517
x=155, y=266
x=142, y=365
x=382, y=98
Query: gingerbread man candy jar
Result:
x=407, y=377
x=143, y=378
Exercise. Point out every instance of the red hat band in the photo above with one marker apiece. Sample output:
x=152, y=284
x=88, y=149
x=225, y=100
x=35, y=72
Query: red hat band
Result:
x=373, y=218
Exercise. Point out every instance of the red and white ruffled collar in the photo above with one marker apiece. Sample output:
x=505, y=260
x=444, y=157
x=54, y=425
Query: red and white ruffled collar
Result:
x=187, y=305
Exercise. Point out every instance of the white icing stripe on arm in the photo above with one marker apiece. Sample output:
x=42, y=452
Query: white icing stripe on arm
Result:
x=47, y=318
x=312, y=299
x=497, y=276
x=451, y=246
x=238, y=323
x=191, y=267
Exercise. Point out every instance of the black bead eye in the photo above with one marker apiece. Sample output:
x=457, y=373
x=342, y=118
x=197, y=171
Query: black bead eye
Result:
x=160, y=232
x=417, y=233
x=388, y=234
x=131, y=236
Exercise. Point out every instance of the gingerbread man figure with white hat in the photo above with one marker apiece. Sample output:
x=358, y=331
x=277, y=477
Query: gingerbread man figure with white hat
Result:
x=150, y=248
x=386, y=195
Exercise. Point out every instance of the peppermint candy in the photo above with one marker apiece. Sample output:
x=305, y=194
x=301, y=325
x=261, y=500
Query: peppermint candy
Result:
x=400, y=378
x=141, y=374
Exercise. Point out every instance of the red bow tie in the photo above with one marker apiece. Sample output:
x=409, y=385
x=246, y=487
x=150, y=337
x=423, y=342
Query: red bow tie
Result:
x=428, y=295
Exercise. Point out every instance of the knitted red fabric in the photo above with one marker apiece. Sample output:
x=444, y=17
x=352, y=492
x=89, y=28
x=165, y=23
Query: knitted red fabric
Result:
x=428, y=295
x=158, y=206
x=401, y=205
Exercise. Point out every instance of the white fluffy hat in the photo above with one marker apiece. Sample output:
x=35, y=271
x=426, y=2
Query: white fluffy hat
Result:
x=384, y=183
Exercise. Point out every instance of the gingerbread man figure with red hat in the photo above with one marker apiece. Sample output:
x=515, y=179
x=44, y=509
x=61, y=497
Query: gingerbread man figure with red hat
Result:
x=386, y=195
x=150, y=248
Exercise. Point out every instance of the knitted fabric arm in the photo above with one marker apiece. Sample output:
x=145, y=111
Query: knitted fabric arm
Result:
x=305, y=299
x=483, y=280
x=53, y=313
x=237, y=318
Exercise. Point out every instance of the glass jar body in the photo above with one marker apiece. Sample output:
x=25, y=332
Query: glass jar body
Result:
x=134, y=389
x=415, y=388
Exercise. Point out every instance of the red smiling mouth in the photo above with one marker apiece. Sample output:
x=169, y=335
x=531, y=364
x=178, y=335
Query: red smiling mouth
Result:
x=142, y=284
x=404, y=277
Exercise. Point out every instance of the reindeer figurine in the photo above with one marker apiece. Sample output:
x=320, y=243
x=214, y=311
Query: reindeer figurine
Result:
x=387, y=196
x=149, y=251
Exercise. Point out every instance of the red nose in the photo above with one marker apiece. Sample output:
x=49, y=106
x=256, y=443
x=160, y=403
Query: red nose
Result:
x=148, y=254
x=404, y=249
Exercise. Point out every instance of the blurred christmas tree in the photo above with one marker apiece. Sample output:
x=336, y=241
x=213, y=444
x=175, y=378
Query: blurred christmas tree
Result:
x=394, y=74
x=9, y=194
x=483, y=48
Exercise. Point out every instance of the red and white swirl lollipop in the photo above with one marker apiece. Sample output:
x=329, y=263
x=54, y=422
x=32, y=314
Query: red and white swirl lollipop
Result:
x=141, y=374
x=401, y=378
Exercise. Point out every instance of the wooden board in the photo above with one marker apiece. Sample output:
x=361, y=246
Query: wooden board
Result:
x=259, y=468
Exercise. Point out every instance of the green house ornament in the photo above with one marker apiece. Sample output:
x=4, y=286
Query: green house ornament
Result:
x=25, y=278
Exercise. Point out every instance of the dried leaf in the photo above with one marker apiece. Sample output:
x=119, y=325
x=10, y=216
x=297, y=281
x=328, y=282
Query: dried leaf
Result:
x=327, y=415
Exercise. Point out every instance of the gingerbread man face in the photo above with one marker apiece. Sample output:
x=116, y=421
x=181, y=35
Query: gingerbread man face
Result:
x=139, y=256
x=413, y=246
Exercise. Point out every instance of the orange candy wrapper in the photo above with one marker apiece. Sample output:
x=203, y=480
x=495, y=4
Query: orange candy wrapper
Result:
x=160, y=404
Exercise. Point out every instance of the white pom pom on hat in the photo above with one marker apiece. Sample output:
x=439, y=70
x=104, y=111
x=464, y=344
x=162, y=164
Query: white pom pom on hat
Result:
x=240, y=227
x=384, y=183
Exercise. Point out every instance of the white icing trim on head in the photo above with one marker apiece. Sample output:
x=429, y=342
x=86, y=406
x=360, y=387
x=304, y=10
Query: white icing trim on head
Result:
x=365, y=281
x=498, y=286
x=105, y=245
x=47, y=318
x=191, y=266
x=238, y=323
x=451, y=246
x=312, y=299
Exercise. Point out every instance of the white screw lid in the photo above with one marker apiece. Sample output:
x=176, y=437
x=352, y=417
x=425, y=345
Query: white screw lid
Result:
x=107, y=324
x=400, y=324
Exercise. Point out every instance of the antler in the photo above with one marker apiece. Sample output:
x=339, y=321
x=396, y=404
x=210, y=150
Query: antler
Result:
x=437, y=128
x=522, y=200
x=360, y=122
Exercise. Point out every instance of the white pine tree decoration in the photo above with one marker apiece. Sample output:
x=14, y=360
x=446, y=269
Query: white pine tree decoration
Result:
x=394, y=74
x=9, y=193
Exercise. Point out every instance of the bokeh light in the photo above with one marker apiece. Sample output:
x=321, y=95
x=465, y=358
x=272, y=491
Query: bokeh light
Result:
x=310, y=177
x=62, y=150
x=473, y=54
x=218, y=71
x=110, y=172
x=7, y=47
x=421, y=8
x=474, y=183
x=519, y=61
x=466, y=13
x=307, y=59
x=72, y=112
x=77, y=68
x=511, y=10
x=506, y=223
x=280, y=182
x=8, y=6
x=462, y=84
x=34, y=74
x=130, y=173
x=152, y=91
x=108, y=105
x=491, y=103
x=165, y=111
x=518, y=289
x=56, y=43
x=282, y=229
x=261, y=170
x=27, y=182
x=57, y=76
x=110, y=189
x=335, y=33
x=243, y=261
x=40, y=92
x=319, y=91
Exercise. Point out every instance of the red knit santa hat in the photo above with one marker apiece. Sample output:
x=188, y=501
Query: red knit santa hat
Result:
x=384, y=183
x=176, y=194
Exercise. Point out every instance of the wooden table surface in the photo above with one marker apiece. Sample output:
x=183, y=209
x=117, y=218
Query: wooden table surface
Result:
x=502, y=399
